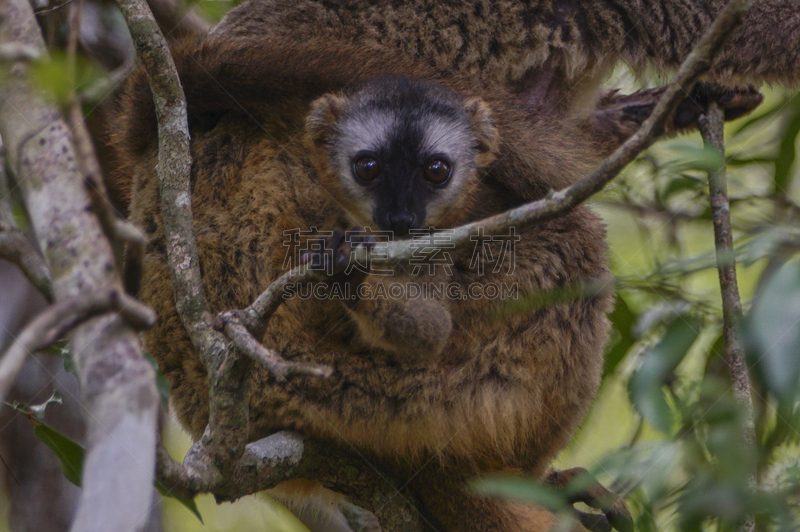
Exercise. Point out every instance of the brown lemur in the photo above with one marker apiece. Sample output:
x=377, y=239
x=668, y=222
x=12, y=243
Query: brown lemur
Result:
x=489, y=396
x=433, y=382
x=499, y=395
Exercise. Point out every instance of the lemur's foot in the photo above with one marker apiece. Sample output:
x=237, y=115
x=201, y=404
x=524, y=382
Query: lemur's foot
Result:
x=620, y=115
x=734, y=101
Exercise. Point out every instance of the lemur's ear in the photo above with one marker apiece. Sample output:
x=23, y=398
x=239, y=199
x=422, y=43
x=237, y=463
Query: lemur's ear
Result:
x=487, y=139
x=325, y=111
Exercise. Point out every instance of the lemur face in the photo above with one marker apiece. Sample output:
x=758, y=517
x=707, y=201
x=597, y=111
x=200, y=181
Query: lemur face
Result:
x=404, y=152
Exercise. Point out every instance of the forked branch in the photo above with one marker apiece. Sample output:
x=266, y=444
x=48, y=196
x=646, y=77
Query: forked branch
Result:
x=61, y=318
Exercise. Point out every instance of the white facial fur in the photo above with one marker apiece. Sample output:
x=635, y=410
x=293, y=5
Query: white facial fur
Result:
x=372, y=131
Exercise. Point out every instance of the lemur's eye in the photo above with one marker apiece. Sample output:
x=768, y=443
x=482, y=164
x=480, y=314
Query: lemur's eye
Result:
x=366, y=168
x=437, y=172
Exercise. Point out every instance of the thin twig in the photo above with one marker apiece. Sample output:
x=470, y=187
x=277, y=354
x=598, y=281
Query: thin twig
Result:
x=116, y=229
x=47, y=10
x=711, y=126
x=60, y=318
x=277, y=366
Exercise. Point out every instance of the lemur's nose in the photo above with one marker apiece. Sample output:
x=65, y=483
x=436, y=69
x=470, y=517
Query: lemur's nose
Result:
x=401, y=223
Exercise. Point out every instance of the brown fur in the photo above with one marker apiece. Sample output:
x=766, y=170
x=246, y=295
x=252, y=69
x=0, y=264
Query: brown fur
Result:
x=572, y=44
x=504, y=394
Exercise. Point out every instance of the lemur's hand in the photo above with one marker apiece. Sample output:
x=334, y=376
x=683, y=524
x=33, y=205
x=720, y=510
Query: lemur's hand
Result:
x=333, y=255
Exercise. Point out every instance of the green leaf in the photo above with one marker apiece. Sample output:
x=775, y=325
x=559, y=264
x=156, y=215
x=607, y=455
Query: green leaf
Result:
x=692, y=156
x=736, y=162
x=658, y=364
x=623, y=320
x=190, y=504
x=215, y=9
x=71, y=455
x=680, y=183
x=522, y=489
x=69, y=452
x=60, y=80
x=757, y=120
x=787, y=152
x=772, y=332
x=67, y=360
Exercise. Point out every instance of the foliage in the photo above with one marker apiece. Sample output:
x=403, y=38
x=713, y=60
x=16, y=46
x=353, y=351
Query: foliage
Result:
x=71, y=453
x=688, y=464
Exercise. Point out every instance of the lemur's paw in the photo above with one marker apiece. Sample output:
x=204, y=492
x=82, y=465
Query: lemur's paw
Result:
x=621, y=115
x=734, y=101
x=333, y=253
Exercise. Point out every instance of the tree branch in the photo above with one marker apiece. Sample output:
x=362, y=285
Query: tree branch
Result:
x=116, y=229
x=61, y=318
x=117, y=385
x=226, y=434
x=711, y=126
x=287, y=455
x=14, y=245
x=277, y=366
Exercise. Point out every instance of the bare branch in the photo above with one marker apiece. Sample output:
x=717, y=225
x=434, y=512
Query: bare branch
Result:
x=263, y=465
x=62, y=317
x=116, y=229
x=177, y=478
x=56, y=7
x=287, y=455
x=711, y=126
x=277, y=366
x=15, y=248
x=14, y=245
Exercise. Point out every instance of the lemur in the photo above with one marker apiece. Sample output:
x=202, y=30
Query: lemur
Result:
x=396, y=146
x=487, y=396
